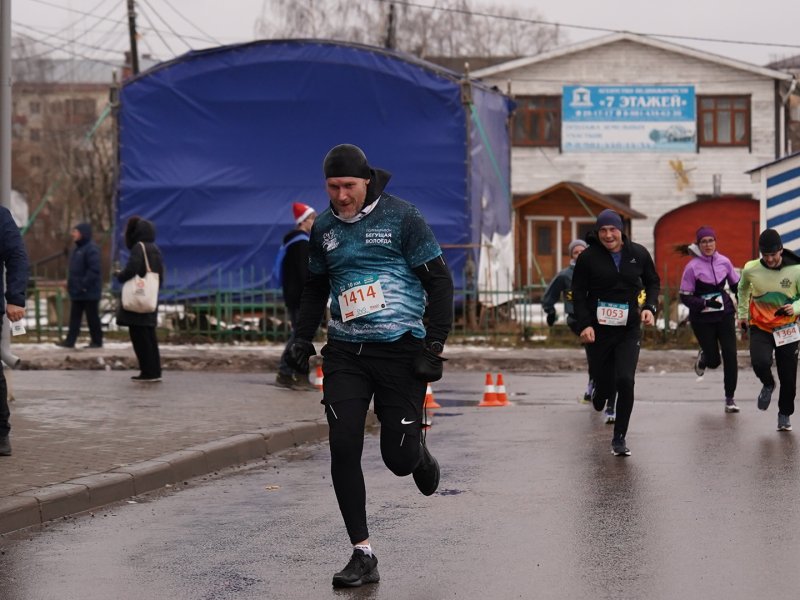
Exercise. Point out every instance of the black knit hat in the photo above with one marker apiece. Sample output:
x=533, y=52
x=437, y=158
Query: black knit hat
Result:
x=346, y=160
x=769, y=241
x=608, y=218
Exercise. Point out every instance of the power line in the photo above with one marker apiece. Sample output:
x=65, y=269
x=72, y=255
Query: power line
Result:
x=156, y=31
x=585, y=27
x=177, y=12
x=67, y=9
x=175, y=33
x=77, y=21
x=70, y=40
x=55, y=48
x=80, y=12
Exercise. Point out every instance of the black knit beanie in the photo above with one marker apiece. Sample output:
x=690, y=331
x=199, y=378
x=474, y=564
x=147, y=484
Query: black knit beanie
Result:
x=769, y=241
x=346, y=160
x=608, y=217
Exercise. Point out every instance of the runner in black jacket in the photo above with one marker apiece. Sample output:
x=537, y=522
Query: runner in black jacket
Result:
x=608, y=277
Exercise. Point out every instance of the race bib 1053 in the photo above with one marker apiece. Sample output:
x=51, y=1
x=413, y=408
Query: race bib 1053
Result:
x=609, y=313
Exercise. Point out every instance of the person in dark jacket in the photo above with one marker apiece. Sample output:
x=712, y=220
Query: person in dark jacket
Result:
x=562, y=285
x=609, y=276
x=294, y=272
x=15, y=260
x=711, y=310
x=84, y=285
x=142, y=326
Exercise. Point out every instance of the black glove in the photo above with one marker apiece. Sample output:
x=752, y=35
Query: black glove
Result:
x=781, y=312
x=711, y=303
x=428, y=366
x=298, y=353
x=551, y=319
x=743, y=326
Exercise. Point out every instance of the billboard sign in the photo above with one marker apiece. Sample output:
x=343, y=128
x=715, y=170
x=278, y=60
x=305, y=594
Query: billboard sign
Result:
x=628, y=118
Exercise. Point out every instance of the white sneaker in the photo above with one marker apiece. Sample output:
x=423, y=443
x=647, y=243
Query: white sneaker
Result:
x=730, y=406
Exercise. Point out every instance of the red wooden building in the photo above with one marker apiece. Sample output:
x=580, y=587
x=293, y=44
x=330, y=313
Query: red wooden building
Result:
x=546, y=222
x=734, y=219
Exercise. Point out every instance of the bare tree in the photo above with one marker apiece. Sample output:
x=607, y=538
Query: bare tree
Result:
x=62, y=157
x=451, y=28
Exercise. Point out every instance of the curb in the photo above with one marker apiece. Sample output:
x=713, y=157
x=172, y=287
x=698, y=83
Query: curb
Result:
x=36, y=507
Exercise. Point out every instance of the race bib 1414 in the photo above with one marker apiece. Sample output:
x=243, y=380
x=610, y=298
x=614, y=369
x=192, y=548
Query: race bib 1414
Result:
x=362, y=297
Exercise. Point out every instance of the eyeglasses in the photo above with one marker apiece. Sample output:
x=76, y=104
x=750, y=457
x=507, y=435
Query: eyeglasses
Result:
x=707, y=241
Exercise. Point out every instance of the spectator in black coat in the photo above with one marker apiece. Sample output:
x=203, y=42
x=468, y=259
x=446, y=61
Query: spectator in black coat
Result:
x=294, y=272
x=84, y=284
x=142, y=326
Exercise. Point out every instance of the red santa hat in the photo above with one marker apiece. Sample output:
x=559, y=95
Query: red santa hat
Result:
x=301, y=212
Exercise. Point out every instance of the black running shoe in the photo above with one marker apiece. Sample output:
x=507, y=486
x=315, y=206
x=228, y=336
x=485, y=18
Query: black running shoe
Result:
x=618, y=447
x=765, y=396
x=360, y=570
x=598, y=402
x=426, y=475
x=699, y=365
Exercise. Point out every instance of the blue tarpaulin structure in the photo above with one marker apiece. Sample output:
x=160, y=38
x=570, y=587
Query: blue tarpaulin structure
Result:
x=216, y=145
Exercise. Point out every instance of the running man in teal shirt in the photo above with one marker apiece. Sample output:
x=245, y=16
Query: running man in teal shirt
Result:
x=374, y=256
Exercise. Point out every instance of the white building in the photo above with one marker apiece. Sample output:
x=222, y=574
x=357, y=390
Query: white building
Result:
x=652, y=124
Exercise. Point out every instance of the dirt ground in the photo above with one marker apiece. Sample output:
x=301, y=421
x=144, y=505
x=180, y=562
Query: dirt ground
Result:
x=243, y=358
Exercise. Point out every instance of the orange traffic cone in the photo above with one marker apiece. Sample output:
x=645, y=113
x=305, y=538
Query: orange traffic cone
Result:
x=430, y=402
x=502, y=398
x=489, y=394
x=318, y=378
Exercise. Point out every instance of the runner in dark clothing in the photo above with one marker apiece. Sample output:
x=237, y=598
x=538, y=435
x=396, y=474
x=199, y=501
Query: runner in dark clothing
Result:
x=608, y=277
x=374, y=256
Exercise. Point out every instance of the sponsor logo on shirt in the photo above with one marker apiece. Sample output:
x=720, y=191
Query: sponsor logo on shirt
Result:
x=329, y=241
x=378, y=236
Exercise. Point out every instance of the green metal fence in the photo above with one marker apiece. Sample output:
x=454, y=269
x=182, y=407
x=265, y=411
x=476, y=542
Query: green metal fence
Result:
x=258, y=314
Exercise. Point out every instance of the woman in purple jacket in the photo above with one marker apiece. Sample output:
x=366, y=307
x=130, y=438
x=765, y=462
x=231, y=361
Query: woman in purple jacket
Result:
x=711, y=310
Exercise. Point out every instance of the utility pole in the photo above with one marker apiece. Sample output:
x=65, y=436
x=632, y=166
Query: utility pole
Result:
x=391, y=29
x=132, y=34
x=5, y=103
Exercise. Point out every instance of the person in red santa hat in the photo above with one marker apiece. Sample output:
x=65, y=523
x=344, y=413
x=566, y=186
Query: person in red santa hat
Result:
x=293, y=271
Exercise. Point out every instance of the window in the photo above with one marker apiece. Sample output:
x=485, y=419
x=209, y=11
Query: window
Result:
x=35, y=107
x=537, y=121
x=622, y=198
x=36, y=160
x=80, y=106
x=35, y=135
x=583, y=230
x=724, y=120
x=544, y=241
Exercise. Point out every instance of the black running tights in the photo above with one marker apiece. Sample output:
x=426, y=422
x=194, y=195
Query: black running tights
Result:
x=762, y=345
x=612, y=365
x=714, y=337
x=400, y=451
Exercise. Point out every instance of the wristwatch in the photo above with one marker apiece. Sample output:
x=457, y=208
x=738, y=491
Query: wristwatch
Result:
x=436, y=347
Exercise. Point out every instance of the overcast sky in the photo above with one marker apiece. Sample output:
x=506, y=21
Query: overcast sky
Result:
x=204, y=23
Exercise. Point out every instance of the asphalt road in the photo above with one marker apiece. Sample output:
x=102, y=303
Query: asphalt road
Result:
x=531, y=505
